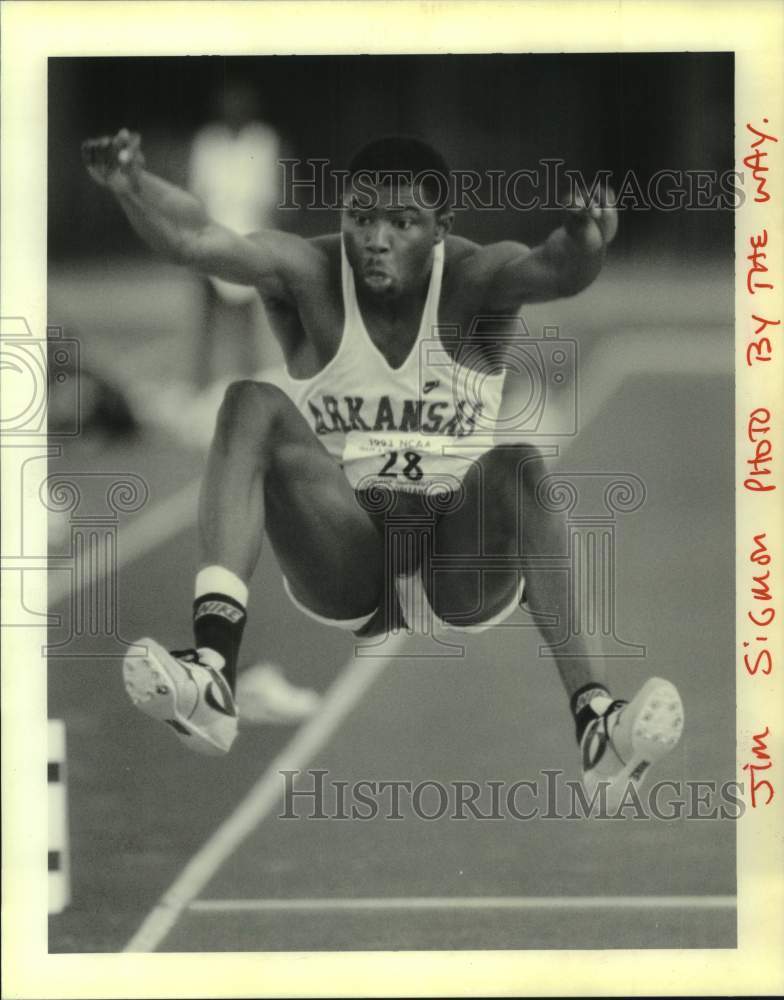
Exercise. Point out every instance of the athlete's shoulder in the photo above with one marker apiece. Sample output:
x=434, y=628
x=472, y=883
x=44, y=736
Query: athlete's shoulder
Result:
x=327, y=247
x=327, y=243
x=299, y=250
x=302, y=264
x=496, y=255
x=461, y=249
x=459, y=255
x=458, y=248
x=284, y=239
x=475, y=261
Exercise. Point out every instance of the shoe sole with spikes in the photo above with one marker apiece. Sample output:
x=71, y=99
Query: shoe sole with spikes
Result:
x=192, y=699
x=647, y=730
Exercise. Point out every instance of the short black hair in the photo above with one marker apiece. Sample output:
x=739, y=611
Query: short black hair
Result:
x=410, y=159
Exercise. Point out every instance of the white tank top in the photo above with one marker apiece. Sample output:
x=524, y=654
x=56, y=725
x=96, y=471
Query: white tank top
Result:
x=417, y=427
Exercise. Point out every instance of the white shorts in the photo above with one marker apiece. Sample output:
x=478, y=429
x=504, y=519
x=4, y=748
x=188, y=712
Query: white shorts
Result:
x=418, y=614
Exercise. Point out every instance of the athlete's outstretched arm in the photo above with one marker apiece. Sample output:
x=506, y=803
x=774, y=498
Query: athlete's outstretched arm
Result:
x=566, y=263
x=176, y=224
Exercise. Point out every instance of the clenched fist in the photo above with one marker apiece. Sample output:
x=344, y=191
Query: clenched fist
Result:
x=115, y=163
x=595, y=222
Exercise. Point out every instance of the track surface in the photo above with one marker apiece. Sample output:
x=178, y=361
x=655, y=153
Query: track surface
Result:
x=141, y=807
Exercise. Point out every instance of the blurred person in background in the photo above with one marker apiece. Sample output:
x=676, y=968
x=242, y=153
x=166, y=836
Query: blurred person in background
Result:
x=233, y=171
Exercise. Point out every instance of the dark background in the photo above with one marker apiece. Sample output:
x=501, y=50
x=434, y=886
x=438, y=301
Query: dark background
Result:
x=622, y=112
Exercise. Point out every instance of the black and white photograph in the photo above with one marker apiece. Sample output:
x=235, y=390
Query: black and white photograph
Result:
x=386, y=455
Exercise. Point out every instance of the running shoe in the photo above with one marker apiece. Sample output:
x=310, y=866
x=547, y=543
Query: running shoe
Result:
x=619, y=746
x=187, y=691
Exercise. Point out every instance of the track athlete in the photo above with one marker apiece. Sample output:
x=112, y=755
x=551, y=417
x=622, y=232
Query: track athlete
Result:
x=364, y=408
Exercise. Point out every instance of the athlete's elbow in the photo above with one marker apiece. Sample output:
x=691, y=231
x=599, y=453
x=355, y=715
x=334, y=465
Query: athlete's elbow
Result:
x=207, y=251
x=572, y=281
x=183, y=249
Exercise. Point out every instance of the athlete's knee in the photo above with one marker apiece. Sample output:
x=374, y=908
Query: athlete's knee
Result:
x=250, y=407
x=245, y=394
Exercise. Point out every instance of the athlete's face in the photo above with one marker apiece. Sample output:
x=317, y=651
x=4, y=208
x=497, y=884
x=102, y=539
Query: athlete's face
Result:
x=390, y=235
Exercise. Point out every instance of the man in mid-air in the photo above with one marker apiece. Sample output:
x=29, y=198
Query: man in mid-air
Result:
x=370, y=418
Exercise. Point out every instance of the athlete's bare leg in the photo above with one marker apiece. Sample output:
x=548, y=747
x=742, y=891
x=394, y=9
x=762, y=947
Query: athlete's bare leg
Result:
x=501, y=511
x=267, y=470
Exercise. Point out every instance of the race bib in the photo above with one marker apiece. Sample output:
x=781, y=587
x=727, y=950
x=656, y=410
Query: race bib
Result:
x=393, y=456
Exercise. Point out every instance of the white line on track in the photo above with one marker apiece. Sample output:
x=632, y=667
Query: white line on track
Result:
x=469, y=903
x=349, y=687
